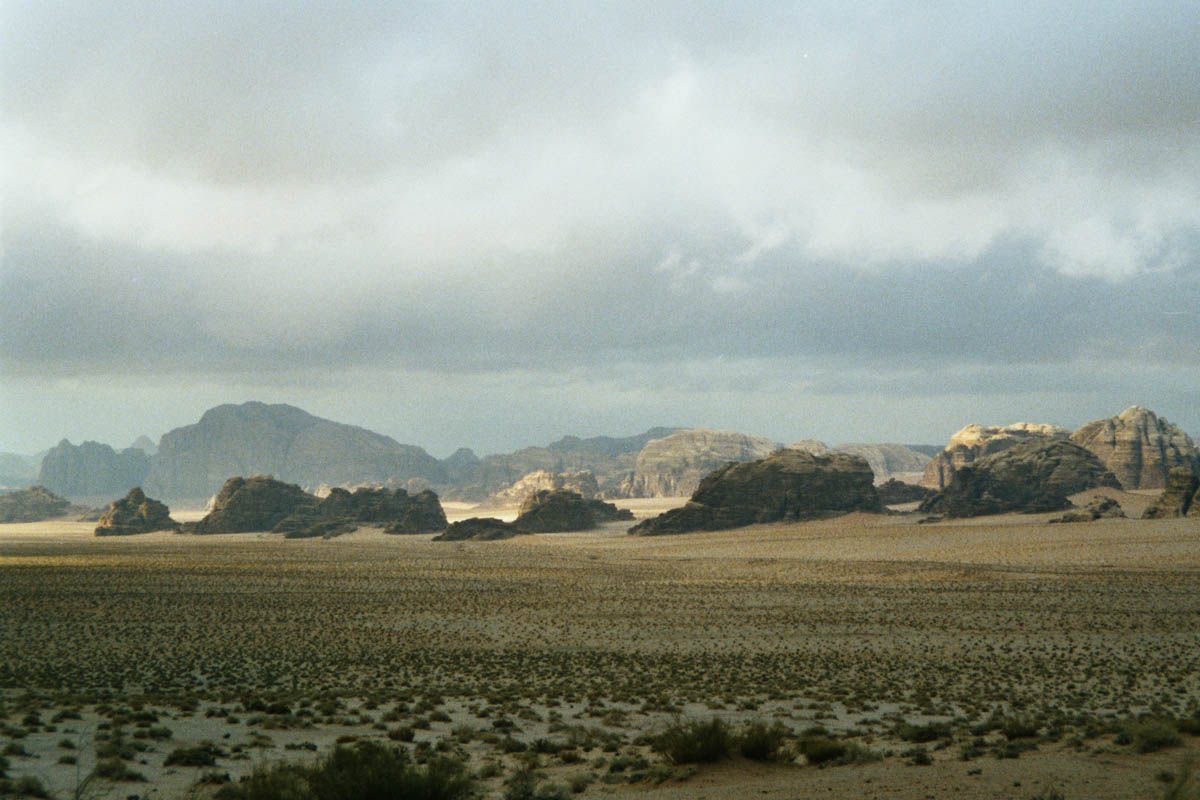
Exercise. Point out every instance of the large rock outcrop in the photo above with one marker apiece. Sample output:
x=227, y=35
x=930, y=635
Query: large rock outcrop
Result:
x=1180, y=498
x=1139, y=447
x=582, y=482
x=974, y=442
x=546, y=511
x=1032, y=476
x=34, y=504
x=786, y=485
x=894, y=492
x=477, y=528
x=889, y=460
x=674, y=465
x=92, y=469
x=135, y=513
x=251, y=504
x=255, y=438
x=1096, y=508
x=342, y=511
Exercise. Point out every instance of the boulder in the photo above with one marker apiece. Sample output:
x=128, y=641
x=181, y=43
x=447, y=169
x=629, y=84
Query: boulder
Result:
x=251, y=504
x=893, y=492
x=1097, y=508
x=674, y=465
x=135, y=513
x=1139, y=447
x=1181, y=497
x=34, y=504
x=478, y=528
x=786, y=485
x=1032, y=476
x=974, y=442
x=424, y=514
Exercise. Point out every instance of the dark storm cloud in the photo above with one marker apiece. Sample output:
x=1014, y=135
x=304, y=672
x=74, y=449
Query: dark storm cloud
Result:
x=781, y=195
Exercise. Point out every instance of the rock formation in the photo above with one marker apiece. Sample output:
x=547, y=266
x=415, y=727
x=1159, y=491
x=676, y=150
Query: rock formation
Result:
x=342, y=511
x=477, y=528
x=251, y=504
x=1097, y=508
x=555, y=510
x=145, y=444
x=890, y=460
x=1180, y=498
x=255, y=438
x=34, y=504
x=1139, y=448
x=18, y=471
x=1032, y=476
x=92, y=469
x=786, y=485
x=893, y=492
x=674, y=465
x=977, y=441
x=135, y=513
x=582, y=482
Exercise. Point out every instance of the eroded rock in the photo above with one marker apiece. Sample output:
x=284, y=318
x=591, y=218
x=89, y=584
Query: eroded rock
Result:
x=35, y=504
x=251, y=504
x=1181, y=497
x=1139, y=447
x=674, y=465
x=974, y=442
x=135, y=513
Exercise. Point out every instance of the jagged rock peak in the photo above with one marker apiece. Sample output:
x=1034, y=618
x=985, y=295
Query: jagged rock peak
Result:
x=135, y=513
x=1139, y=447
x=973, y=442
x=787, y=485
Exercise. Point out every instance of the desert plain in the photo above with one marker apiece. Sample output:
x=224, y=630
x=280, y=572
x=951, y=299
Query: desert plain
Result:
x=998, y=657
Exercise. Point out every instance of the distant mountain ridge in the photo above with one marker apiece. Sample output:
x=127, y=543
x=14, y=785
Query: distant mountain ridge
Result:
x=281, y=440
x=92, y=469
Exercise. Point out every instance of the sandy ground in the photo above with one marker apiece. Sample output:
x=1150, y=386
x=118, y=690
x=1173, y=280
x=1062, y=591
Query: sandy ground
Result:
x=855, y=624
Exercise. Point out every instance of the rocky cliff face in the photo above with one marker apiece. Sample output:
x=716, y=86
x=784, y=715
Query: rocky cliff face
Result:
x=583, y=483
x=1032, y=476
x=977, y=441
x=255, y=438
x=251, y=504
x=342, y=511
x=1180, y=498
x=674, y=465
x=890, y=460
x=92, y=469
x=34, y=504
x=135, y=513
x=786, y=485
x=1140, y=448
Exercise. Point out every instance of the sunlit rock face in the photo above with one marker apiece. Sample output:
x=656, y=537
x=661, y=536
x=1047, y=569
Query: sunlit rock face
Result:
x=977, y=441
x=1139, y=447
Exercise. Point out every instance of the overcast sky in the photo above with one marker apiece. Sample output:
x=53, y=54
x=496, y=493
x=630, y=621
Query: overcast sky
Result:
x=492, y=224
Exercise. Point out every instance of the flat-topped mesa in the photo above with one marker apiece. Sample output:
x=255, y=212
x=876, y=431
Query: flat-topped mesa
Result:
x=1033, y=476
x=1181, y=497
x=135, y=513
x=787, y=485
x=251, y=504
x=1139, y=447
x=974, y=442
x=674, y=465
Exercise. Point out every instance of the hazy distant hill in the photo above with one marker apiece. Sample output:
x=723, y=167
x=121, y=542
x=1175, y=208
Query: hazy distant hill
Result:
x=287, y=442
x=18, y=471
x=92, y=470
x=611, y=460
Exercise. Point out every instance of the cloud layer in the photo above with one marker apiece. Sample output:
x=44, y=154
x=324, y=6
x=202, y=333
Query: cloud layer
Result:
x=584, y=193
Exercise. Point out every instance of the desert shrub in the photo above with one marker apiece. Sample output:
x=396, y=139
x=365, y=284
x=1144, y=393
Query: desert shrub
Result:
x=1019, y=728
x=201, y=756
x=1153, y=735
x=761, y=742
x=114, y=769
x=25, y=786
x=920, y=734
x=918, y=756
x=821, y=749
x=1185, y=785
x=1189, y=725
x=14, y=749
x=695, y=742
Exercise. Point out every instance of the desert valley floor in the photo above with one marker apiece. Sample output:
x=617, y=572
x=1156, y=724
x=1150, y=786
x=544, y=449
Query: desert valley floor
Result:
x=1000, y=657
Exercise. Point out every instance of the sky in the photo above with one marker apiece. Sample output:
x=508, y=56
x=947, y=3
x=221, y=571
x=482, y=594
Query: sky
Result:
x=493, y=224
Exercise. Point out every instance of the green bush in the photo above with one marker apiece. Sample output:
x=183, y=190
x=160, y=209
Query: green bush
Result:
x=821, y=749
x=1154, y=735
x=25, y=786
x=366, y=771
x=114, y=769
x=202, y=756
x=695, y=742
x=761, y=742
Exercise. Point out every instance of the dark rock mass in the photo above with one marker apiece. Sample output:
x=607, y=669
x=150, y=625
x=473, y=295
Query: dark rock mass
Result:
x=256, y=438
x=251, y=504
x=343, y=511
x=1181, y=498
x=92, y=469
x=561, y=510
x=893, y=492
x=1139, y=447
x=1031, y=476
x=135, y=513
x=974, y=442
x=34, y=504
x=785, y=486
x=477, y=528
x=1097, y=508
